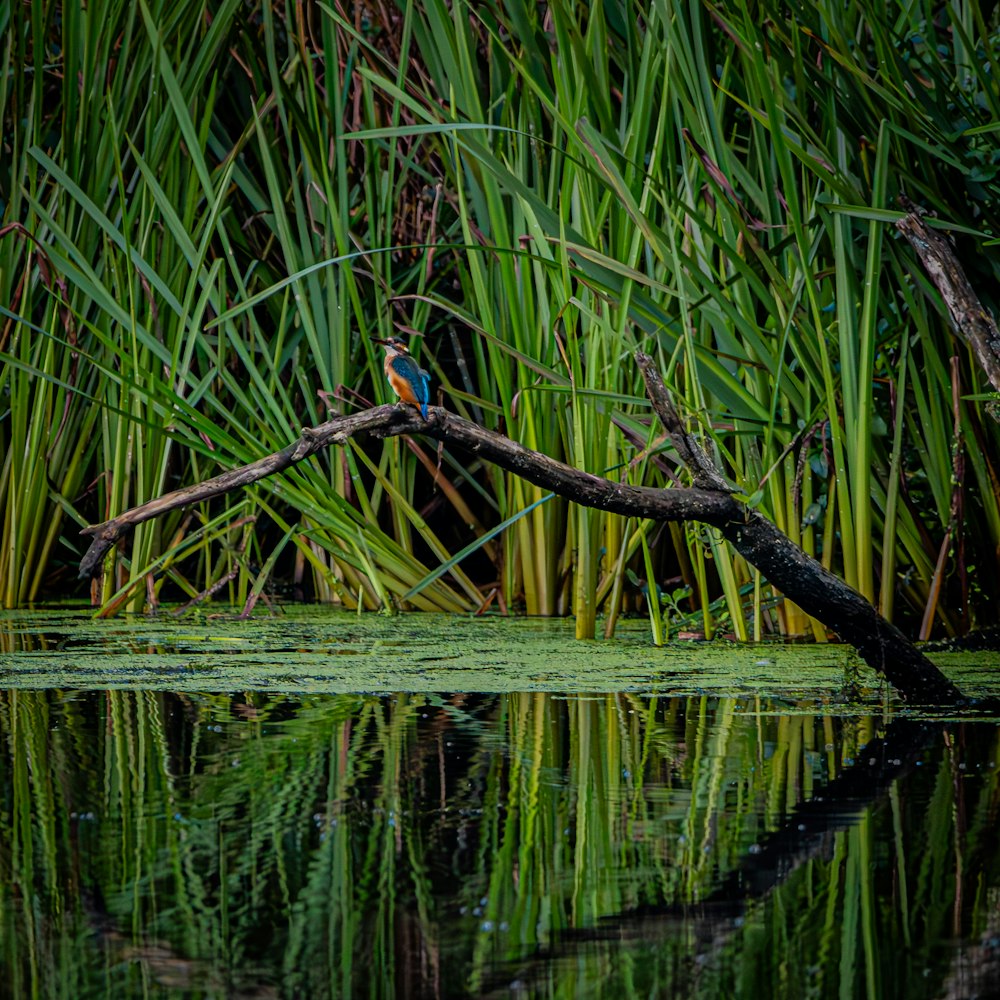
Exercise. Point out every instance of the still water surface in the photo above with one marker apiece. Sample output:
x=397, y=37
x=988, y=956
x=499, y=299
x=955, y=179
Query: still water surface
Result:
x=257, y=844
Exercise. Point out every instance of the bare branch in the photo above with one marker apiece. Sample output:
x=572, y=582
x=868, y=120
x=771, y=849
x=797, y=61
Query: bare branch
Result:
x=800, y=577
x=788, y=568
x=975, y=325
x=703, y=470
x=390, y=421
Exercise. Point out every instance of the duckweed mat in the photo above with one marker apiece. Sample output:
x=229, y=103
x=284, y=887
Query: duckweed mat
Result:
x=320, y=650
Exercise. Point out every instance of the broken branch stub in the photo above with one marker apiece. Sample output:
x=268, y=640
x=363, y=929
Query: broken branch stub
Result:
x=972, y=321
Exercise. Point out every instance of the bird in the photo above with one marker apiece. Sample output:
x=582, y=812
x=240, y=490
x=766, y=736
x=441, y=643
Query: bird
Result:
x=408, y=380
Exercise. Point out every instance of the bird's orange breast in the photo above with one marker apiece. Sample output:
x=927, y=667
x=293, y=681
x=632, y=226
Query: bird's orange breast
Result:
x=402, y=387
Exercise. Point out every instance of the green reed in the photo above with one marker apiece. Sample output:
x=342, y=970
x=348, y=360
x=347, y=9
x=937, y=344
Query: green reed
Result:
x=747, y=236
x=204, y=222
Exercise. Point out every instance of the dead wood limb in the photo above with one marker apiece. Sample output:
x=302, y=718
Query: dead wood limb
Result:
x=973, y=323
x=798, y=576
x=704, y=473
x=390, y=421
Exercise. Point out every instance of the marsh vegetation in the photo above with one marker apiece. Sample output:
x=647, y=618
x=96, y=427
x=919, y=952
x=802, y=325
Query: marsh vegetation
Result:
x=208, y=208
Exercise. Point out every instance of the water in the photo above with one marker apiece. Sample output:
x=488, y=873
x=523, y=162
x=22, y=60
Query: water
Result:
x=169, y=842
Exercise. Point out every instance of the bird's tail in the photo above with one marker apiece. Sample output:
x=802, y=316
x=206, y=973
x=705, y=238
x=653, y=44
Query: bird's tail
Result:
x=423, y=410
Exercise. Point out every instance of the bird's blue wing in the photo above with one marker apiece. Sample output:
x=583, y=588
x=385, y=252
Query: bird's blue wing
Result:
x=415, y=377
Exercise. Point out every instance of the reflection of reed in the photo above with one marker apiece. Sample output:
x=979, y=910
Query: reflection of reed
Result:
x=20, y=637
x=429, y=845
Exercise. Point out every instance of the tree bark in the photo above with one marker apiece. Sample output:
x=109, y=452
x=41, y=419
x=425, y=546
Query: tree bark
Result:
x=797, y=575
x=973, y=323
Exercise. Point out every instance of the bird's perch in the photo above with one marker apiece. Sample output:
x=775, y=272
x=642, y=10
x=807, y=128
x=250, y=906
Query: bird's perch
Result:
x=797, y=575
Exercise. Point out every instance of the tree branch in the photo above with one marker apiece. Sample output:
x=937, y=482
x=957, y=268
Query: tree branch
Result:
x=800, y=577
x=976, y=326
x=704, y=472
x=392, y=420
x=805, y=580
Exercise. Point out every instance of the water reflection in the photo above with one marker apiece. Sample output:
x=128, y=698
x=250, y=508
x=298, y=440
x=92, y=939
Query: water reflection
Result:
x=425, y=845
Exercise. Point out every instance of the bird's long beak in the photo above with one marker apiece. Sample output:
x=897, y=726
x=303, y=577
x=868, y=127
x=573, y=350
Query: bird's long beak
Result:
x=378, y=340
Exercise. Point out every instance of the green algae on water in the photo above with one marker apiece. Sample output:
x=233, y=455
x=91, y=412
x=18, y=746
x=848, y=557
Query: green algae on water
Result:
x=322, y=650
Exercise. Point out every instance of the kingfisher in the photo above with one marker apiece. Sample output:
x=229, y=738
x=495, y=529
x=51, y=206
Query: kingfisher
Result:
x=408, y=380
